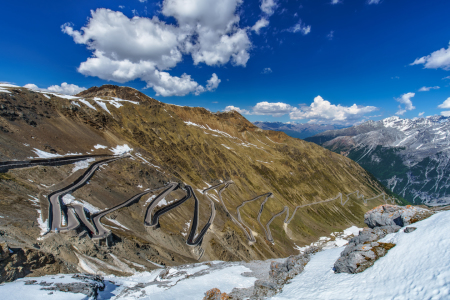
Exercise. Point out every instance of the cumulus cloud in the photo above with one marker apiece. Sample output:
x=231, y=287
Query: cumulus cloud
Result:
x=300, y=27
x=405, y=99
x=241, y=111
x=65, y=88
x=322, y=111
x=266, y=71
x=428, y=88
x=213, y=83
x=268, y=6
x=274, y=109
x=445, y=104
x=126, y=49
x=437, y=59
x=261, y=23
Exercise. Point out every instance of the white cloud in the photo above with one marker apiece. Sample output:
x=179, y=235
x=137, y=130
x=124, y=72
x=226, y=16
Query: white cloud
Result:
x=405, y=99
x=261, y=23
x=448, y=77
x=373, y=1
x=264, y=108
x=428, y=88
x=241, y=111
x=268, y=6
x=300, y=27
x=65, y=88
x=142, y=1
x=213, y=83
x=421, y=114
x=266, y=71
x=32, y=86
x=126, y=49
x=215, y=37
x=445, y=113
x=330, y=36
x=274, y=109
x=445, y=104
x=335, y=2
x=437, y=59
x=322, y=111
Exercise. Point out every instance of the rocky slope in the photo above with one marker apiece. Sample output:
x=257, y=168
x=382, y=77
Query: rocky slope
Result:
x=300, y=131
x=409, y=156
x=167, y=143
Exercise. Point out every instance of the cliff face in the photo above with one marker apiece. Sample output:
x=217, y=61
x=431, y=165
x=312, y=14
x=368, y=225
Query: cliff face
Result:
x=191, y=146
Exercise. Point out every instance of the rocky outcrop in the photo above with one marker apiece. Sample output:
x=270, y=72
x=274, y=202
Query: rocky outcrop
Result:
x=390, y=215
x=17, y=262
x=364, y=249
x=88, y=285
x=281, y=273
x=215, y=294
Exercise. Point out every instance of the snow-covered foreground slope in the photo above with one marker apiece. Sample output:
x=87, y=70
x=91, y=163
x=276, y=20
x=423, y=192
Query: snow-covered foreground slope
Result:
x=418, y=267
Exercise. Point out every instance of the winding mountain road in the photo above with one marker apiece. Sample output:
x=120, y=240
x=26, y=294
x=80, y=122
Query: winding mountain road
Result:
x=74, y=213
x=55, y=198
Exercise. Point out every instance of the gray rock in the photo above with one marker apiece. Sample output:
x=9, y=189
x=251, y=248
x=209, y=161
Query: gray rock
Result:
x=409, y=229
x=89, y=285
x=394, y=215
x=265, y=289
x=363, y=250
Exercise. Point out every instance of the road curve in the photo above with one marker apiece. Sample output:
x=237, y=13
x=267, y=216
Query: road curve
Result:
x=54, y=216
x=101, y=231
x=57, y=161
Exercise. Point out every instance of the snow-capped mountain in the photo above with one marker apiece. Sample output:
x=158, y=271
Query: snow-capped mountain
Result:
x=410, y=156
x=297, y=130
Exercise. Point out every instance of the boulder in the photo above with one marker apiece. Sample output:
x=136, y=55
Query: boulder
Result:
x=363, y=250
x=409, y=229
x=390, y=215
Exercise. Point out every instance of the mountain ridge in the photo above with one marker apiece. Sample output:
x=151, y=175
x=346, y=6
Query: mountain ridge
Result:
x=168, y=143
x=410, y=156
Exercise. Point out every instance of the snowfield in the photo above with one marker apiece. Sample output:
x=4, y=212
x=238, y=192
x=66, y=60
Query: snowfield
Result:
x=418, y=267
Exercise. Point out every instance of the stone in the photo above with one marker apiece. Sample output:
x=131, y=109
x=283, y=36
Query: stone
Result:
x=409, y=229
x=215, y=294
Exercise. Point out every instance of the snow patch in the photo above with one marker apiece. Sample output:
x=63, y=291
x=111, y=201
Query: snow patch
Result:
x=120, y=150
x=84, y=164
x=85, y=102
x=43, y=154
x=98, y=146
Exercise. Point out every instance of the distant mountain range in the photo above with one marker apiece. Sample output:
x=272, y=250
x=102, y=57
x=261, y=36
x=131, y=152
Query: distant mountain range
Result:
x=300, y=131
x=410, y=156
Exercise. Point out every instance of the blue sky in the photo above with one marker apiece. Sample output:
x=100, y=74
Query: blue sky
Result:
x=269, y=59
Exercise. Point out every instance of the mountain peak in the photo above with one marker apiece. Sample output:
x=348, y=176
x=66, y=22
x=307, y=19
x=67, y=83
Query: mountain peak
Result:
x=122, y=92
